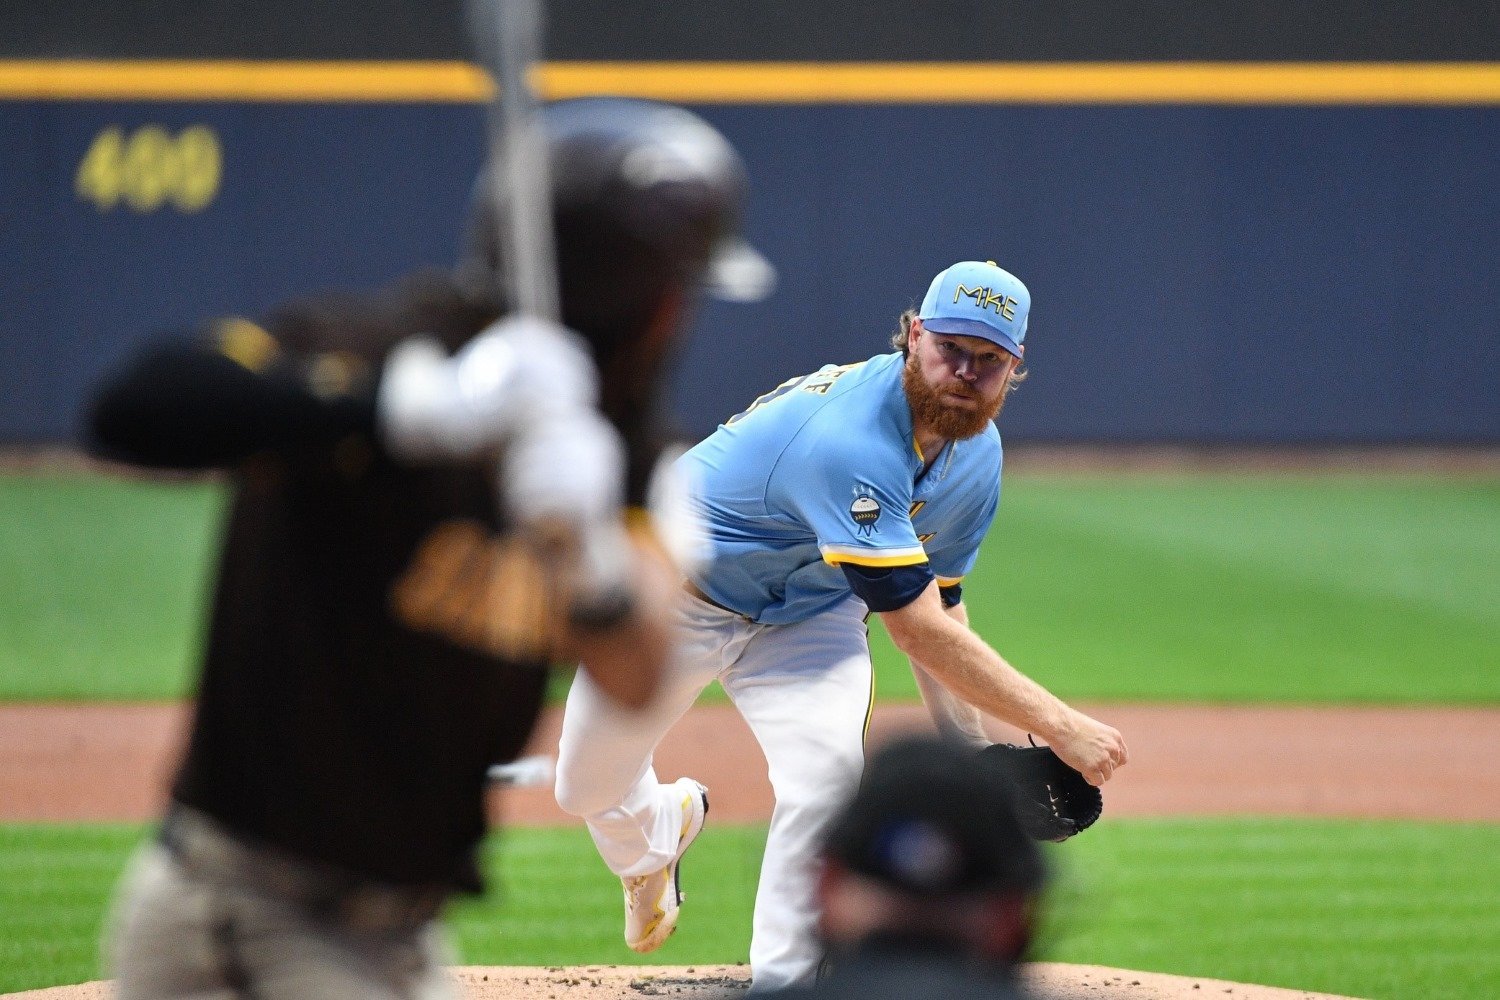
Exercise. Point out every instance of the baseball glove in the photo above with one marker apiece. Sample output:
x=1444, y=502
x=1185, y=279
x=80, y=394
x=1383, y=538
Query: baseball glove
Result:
x=1054, y=801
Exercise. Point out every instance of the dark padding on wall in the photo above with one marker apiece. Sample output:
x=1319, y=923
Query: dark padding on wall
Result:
x=833, y=30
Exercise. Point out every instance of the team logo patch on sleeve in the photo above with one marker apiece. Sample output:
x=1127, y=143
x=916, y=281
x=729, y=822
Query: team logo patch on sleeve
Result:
x=866, y=511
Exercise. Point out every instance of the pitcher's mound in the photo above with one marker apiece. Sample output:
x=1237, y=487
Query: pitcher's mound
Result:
x=1048, y=980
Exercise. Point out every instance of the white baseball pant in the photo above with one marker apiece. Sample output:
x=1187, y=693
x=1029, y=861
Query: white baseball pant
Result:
x=804, y=689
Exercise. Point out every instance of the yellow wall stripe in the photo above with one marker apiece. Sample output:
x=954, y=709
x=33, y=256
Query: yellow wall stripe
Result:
x=1035, y=83
x=772, y=83
x=425, y=82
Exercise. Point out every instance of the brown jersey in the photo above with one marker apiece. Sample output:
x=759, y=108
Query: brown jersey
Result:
x=353, y=690
x=329, y=723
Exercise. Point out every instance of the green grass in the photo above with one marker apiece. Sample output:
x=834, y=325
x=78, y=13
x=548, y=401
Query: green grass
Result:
x=1370, y=909
x=1290, y=589
x=105, y=585
x=1222, y=588
x=554, y=902
x=55, y=886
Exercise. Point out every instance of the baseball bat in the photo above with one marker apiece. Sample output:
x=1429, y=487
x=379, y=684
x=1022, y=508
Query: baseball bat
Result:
x=507, y=37
x=527, y=772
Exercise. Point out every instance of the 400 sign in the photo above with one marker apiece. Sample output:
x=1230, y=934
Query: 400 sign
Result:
x=149, y=168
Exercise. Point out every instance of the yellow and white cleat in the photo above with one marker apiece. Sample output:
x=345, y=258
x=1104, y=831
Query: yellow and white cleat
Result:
x=653, y=901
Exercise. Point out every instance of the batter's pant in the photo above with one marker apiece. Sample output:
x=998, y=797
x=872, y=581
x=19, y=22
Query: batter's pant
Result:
x=212, y=927
x=804, y=689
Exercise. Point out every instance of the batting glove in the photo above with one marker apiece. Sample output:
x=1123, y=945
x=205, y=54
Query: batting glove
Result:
x=520, y=369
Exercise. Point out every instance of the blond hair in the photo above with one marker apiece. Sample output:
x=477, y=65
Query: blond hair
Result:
x=902, y=337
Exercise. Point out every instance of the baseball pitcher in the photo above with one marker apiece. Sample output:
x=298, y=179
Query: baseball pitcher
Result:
x=855, y=489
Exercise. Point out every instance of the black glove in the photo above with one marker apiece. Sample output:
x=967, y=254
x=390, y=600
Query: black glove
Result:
x=1053, y=800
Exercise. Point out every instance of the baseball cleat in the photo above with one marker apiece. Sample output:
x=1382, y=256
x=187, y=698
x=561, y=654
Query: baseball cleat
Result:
x=652, y=901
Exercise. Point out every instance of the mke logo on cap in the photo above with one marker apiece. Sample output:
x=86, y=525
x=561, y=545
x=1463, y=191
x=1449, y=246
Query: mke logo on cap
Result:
x=985, y=297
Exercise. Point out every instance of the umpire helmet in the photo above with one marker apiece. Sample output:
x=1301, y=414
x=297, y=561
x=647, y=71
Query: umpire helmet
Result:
x=647, y=198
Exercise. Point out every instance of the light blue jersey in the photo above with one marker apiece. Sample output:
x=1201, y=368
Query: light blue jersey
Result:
x=824, y=471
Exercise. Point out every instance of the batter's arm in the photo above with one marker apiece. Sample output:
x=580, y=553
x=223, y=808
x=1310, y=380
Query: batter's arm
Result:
x=966, y=665
x=626, y=658
x=211, y=401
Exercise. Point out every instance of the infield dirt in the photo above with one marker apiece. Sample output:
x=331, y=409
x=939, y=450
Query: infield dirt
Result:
x=110, y=762
x=92, y=762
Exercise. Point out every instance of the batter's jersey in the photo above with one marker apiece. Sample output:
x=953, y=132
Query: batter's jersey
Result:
x=824, y=471
x=354, y=690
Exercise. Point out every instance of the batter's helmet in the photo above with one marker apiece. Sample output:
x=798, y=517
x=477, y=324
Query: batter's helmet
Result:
x=647, y=197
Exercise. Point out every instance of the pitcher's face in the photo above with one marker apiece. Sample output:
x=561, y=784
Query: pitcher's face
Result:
x=955, y=384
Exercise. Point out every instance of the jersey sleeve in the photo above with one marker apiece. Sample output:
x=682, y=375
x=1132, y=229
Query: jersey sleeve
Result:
x=954, y=555
x=855, y=500
x=859, y=516
x=888, y=588
x=214, y=400
x=862, y=517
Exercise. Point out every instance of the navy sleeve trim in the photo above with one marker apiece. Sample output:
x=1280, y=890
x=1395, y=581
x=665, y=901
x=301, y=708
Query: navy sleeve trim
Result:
x=887, y=588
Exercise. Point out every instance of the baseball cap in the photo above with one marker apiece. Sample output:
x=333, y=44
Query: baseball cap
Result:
x=934, y=817
x=978, y=299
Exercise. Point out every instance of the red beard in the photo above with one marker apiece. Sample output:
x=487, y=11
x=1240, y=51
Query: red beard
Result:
x=952, y=422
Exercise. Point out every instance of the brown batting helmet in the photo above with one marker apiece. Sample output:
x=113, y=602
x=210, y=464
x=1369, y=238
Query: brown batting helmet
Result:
x=647, y=198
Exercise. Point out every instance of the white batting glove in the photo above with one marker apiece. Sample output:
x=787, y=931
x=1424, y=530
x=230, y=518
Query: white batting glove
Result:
x=569, y=468
x=568, y=472
x=430, y=405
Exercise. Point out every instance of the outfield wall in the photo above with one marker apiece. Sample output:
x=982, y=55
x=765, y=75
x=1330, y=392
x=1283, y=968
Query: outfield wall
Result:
x=1239, y=254
x=801, y=30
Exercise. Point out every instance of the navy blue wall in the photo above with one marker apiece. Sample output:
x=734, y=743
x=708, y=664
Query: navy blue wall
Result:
x=1258, y=274
x=311, y=197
